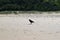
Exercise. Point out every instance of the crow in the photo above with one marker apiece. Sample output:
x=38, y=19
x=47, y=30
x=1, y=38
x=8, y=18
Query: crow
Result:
x=31, y=21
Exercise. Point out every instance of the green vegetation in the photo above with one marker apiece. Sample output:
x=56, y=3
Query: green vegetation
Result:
x=29, y=5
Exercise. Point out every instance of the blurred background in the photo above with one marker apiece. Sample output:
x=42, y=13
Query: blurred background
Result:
x=29, y=5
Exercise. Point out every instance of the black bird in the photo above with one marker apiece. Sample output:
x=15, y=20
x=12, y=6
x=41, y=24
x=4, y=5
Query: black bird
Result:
x=31, y=21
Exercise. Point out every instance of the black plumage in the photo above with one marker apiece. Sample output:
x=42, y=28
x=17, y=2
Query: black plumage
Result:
x=31, y=21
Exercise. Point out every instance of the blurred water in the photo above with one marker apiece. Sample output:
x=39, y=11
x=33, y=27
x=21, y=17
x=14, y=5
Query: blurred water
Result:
x=50, y=23
x=16, y=27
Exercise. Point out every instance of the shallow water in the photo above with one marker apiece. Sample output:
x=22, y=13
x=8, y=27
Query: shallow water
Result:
x=17, y=27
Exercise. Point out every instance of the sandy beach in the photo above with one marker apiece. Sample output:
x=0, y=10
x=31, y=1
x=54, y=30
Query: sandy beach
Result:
x=17, y=27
